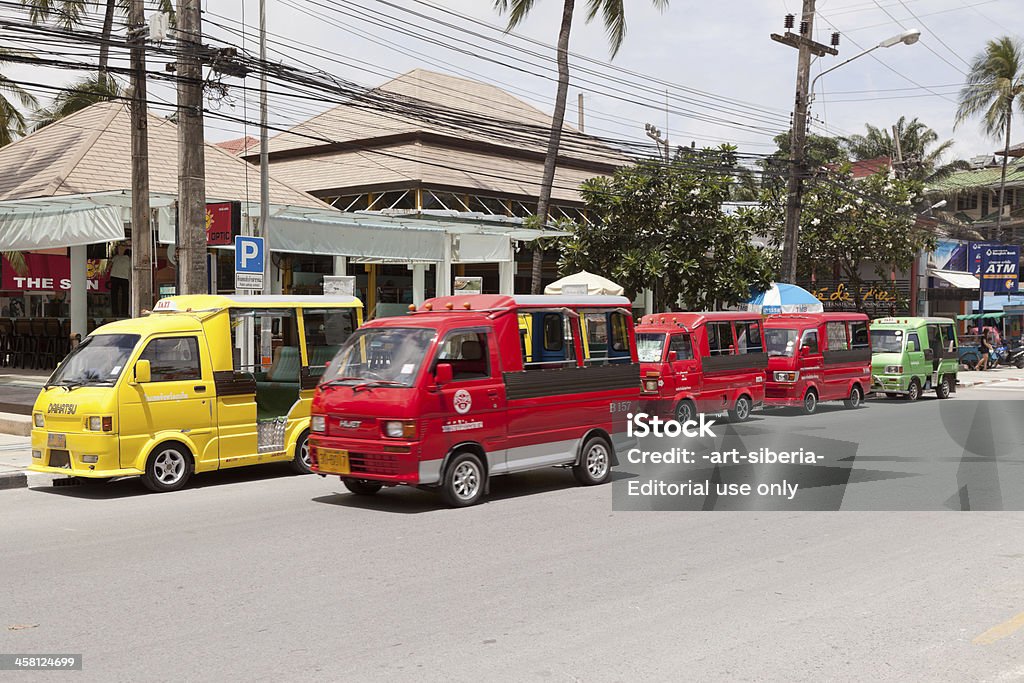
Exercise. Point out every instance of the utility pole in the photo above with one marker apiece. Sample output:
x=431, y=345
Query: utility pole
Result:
x=264, y=154
x=191, y=160
x=142, y=239
x=900, y=170
x=579, y=109
x=806, y=46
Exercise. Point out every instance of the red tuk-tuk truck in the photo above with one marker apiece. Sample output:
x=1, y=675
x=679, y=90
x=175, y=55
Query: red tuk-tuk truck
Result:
x=814, y=357
x=466, y=388
x=711, y=362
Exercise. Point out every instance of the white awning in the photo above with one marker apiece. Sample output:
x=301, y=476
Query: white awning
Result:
x=956, y=279
x=361, y=240
x=47, y=229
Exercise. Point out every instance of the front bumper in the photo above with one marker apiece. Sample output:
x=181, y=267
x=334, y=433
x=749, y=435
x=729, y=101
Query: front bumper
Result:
x=783, y=394
x=889, y=384
x=69, y=458
x=391, y=462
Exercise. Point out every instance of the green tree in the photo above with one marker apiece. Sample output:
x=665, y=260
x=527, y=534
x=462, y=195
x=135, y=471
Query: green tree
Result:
x=995, y=83
x=12, y=121
x=851, y=224
x=613, y=15
x=663, y=226
x=78, y=96
x=922, y=151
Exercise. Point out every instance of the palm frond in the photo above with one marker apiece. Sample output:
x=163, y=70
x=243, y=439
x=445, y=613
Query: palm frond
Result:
x=78, y=96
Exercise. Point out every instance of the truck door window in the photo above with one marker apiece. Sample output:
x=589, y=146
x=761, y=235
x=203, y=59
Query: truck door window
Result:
x=859, y=335
x=597, y=337
x=468, y=354
x=719, y=338
x=948, y=338
x=325, y=331
x=553, y=343
x=810, y=340
x=836, y=333
x=913, y=343
x=748, y=337
x=619, y=350
x=933, y=337
x=680, y=343
x=173, y=359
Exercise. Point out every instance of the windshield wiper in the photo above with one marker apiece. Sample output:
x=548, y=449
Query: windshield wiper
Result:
x=340, y=380
x=378, y=382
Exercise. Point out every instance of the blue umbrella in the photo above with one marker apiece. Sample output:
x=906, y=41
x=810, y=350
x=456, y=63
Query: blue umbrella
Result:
x=784, y=298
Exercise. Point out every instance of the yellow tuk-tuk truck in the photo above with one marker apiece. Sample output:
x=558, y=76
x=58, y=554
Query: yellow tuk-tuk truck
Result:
x=202, y=383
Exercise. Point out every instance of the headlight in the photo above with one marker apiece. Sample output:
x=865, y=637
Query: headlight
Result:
x=37, y=419
x=37, y=454
x=90, y=458
x=101, y=423
x=318, y=423
x=650, y=385
x=894, y=369
x=400, y=429
x=787, y=376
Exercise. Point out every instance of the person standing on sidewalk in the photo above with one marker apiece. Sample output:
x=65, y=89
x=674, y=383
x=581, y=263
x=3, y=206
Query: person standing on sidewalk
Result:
x=120, y=282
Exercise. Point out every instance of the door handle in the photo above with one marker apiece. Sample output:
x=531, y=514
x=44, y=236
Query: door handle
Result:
x=199, y=388
x=492, y=392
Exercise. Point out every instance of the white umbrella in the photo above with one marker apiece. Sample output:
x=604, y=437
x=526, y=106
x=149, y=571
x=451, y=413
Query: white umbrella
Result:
x=784, y=298
x=596, y=285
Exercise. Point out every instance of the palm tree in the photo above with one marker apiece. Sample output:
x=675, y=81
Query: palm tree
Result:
x=613, y=14
x=12, y=121
x=994, y=84
x=78, y=96
x=916, y=142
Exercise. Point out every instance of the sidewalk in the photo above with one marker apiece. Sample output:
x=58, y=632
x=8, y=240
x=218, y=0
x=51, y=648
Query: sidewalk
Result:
x=970, y=378
x=18, y=391
x=15, y=456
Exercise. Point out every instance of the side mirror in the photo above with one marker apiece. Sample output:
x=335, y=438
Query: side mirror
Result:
x=672, y=356
x=143, y=372
x=805, y=350
x=443, y=373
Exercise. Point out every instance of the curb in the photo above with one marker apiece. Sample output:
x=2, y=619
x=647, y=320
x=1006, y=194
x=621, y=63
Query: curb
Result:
x=23, y=480
x=15, y=425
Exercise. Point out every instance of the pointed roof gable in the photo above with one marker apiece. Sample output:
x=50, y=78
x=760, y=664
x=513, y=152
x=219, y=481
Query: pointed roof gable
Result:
x=90, y=151
x=462, y=109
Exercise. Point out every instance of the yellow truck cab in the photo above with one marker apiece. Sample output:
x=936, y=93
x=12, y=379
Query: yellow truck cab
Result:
x=202, y=383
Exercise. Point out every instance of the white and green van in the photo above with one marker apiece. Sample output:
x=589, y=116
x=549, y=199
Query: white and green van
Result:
x=911, y=355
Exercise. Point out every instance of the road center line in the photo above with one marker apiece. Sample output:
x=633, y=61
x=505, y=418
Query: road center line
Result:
x=1000, y=631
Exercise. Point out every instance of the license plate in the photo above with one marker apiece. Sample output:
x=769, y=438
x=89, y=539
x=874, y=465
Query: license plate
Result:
x=56, y=440
x=332, y=460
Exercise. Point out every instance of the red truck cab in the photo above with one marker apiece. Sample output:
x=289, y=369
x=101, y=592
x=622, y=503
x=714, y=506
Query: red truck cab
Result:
x=466, y=388
x=711, y=362
x=814, y=357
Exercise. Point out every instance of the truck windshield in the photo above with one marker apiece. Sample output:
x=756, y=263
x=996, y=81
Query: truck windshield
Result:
x=649, y=347
x=97, y=360
x=381, y=355
x=886, y=341
x=780, y=342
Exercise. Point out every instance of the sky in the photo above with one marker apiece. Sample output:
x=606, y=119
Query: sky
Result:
x=723, y=77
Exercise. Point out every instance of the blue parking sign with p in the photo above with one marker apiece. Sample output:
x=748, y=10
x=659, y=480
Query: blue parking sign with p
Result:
x=249, y=262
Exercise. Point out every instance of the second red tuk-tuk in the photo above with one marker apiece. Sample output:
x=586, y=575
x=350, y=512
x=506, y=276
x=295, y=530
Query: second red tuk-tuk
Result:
x=814, y=357
x=710, y=362
x=466, y=388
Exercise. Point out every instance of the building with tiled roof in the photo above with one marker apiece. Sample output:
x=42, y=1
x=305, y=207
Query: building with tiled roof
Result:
x=972, y=196
x=240, y=145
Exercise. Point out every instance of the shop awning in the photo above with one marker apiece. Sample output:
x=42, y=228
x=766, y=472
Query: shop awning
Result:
x=968, y=316
x=48, y=223
x=956, y=279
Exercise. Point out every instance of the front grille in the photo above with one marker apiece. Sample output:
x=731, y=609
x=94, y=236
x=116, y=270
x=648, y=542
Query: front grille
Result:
x=60, y=459
x=366, y=463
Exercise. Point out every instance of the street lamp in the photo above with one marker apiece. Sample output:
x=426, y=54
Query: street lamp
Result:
x=804, y=97
x=908, y=37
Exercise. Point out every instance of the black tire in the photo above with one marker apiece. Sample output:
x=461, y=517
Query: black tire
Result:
x=464, y=481
x=595, y=465
x=944, y=388
x=685, y=410
x=362, y=487
x=1019, y=363
x=168, y=469
x=741, y=411
x=300, y=462
x=856, y=399
x=810, y=404
x=913, y=390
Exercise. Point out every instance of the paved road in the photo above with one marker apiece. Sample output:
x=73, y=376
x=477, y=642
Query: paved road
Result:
x=260, y=575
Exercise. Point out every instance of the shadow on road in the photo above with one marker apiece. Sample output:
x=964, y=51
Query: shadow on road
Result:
x=406, y=500
x=127, y=487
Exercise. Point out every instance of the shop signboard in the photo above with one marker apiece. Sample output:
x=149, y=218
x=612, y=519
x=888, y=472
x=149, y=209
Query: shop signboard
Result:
x=949, y=255
x=223, y=223
x=52, y=273
x=469, y=285
x=339, y=285
x=878, y=297
x=997, y=266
